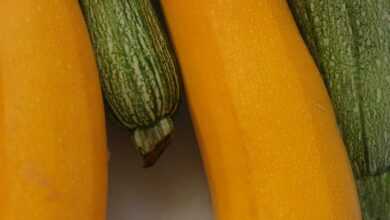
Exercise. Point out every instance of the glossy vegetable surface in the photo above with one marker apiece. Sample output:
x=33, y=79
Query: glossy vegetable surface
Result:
x=262, y=116
x=350, y=41
x=53, y=157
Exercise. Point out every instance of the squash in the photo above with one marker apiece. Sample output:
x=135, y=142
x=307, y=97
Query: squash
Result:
x=374, y=196
x=53, y=156
x=138, y=70
x=263, y=119
x=351, y=48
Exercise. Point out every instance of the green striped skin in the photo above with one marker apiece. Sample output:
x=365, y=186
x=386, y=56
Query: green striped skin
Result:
x=350, y=41
x=375, y=196
x=137, y=67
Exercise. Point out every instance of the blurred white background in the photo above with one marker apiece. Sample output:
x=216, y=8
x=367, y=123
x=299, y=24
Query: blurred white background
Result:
x=174, y=189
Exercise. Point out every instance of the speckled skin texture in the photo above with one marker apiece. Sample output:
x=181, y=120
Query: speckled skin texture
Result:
x=261, y=113
x=137, y=67
x=350, y=41
x=374, y=197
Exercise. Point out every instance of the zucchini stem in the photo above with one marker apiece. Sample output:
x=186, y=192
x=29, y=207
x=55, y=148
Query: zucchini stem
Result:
x=152, y=141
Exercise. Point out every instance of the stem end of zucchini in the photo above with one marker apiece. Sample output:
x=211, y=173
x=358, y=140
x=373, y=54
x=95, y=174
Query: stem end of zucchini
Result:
x=152, y=141
x=151, y=158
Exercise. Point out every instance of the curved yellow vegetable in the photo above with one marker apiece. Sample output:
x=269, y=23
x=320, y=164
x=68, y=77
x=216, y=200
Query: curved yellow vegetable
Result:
x=53, y=159
x=263, y=118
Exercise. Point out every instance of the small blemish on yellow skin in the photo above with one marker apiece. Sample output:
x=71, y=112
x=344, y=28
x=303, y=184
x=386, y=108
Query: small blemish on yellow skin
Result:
x=33, y=176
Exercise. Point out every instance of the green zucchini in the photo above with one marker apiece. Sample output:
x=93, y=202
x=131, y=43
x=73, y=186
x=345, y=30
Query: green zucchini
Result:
x=138, y=69
x=350, y=41
x=375, y=196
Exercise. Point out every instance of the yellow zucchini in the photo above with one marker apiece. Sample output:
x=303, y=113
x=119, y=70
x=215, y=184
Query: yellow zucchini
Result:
x=53, y=157
x=264, y=121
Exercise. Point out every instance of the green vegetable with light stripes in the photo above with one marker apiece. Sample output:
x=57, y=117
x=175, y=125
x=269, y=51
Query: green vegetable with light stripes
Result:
x=138, y=70
x=375, y=196
x=350, y=42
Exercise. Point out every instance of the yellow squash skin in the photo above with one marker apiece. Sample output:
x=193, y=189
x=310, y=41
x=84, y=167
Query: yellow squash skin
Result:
x=263, y=118
x=53, y=157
